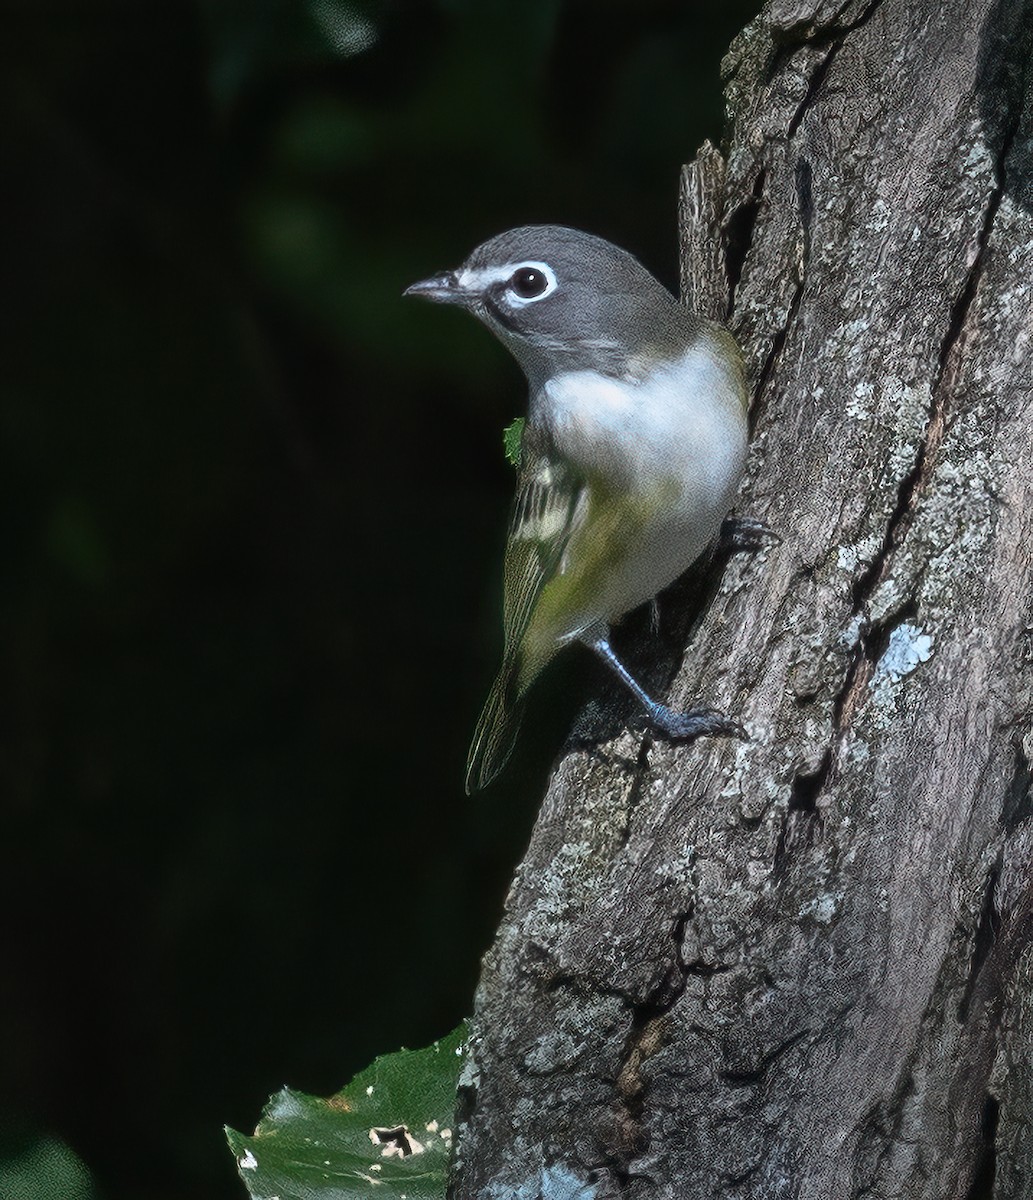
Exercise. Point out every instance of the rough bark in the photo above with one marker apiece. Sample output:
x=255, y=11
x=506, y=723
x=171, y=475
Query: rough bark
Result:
x=801, y=966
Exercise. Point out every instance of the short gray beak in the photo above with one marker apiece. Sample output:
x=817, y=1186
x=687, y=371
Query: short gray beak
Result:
x=443, y=288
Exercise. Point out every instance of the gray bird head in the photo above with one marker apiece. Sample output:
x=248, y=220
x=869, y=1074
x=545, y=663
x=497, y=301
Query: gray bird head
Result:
x=561, y=299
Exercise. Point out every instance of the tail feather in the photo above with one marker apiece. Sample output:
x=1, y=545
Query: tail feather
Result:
x=496, y=731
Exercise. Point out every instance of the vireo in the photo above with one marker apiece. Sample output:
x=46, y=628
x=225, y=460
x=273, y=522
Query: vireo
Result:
x=631, y=455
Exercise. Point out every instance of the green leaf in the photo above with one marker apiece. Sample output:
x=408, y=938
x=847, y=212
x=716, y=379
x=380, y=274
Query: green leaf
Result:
x=40, y=1168
x=512, y=440
x=388, y=1133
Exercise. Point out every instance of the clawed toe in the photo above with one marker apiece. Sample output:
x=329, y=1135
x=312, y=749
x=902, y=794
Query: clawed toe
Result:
x=698, y=722
x=746, y=533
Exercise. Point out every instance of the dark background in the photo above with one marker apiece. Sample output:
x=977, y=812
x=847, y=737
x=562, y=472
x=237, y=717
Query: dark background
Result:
x=253, y=507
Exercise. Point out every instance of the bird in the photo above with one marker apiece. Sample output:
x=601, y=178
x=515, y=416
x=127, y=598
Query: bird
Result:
x=630, y=456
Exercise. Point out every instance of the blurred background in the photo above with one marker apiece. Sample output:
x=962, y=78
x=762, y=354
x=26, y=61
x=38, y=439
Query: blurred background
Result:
x=253, y=513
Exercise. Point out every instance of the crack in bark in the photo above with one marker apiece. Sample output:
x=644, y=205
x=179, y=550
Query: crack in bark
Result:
x=807, y=786
x=883, y=1124
x=739, y=1079
x=983, y=941
x=629, y=1137
x=915, y=481
x=638, y=782
x=982, y=1187
x=801, y=820
x=1018, y=799
x=830, y=37
x=738, y=234
x=778, y=341
x=814, y=82
x=872, y=645
x=739, y=225
x=787, y=39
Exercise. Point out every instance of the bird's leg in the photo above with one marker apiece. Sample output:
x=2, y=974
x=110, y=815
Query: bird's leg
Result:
x=697, y=722
x=745, y=533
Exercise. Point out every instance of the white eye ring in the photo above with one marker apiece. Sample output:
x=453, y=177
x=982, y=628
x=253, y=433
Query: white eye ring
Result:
x=513, y=296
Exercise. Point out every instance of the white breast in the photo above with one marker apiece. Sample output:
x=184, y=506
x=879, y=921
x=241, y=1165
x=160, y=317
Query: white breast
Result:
x=684, y=423
x=679, y=432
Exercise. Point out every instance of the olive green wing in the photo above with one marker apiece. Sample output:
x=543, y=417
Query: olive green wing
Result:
x=550, y=503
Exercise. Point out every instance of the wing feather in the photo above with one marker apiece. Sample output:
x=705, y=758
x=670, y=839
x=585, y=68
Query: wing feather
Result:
x=550, y=504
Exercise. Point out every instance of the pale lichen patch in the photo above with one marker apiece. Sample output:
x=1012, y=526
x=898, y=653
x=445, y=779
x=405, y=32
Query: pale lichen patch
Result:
x=862, y=552
x=550, y=1183
x=859, y=405
x=854, y=750
x=908, y=647
x=823, y=908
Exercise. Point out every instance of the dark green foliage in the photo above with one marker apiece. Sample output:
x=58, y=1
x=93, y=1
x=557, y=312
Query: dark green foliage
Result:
x=512, y=441
x=389, y=1132
x=41, y=1168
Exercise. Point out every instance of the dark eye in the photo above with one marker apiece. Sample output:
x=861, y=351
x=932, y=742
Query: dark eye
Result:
x=529, y=282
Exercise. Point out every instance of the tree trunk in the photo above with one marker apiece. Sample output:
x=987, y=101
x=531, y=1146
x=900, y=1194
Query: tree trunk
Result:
x=800, y=966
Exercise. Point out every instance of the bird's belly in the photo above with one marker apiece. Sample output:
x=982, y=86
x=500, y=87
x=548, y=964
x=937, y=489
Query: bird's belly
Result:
x=684, y=482
x=662, y=548
x=632, y=544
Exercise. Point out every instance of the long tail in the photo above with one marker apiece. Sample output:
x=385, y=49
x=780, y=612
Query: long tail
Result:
x=497, y=729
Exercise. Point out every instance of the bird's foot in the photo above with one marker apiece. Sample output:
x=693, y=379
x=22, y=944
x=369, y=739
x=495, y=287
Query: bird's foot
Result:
x=697, y=722
x=745, y=534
